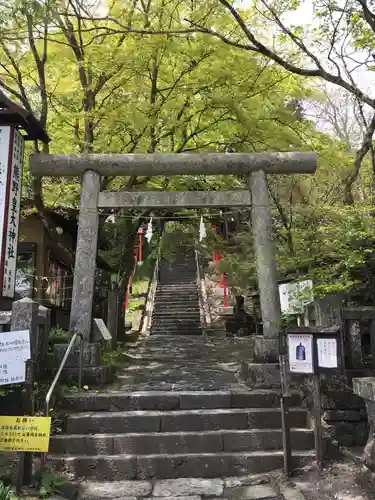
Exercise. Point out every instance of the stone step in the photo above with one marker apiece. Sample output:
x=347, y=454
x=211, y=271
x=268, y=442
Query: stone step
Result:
x=175, y=314
x=121, y=467
x=180, y=420
x=168, y=400
x=167, y=323
x=183, y=328
x=192, y=489
x=176, y=286
x=183, y=306
x=182, y=341
x=168, y=314
x=176, y=319
x=177, y=299
x=175, y=281
x=183, y=324
x=174, y=306
x=176, y=332
x=160, y=329
x=179, y=442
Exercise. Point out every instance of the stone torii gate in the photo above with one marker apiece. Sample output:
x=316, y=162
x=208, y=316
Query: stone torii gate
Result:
x=256, y=166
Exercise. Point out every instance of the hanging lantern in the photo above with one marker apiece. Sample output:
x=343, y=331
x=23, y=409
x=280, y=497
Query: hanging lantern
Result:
x=202, y=230
x=149, y=231
x=140, y=242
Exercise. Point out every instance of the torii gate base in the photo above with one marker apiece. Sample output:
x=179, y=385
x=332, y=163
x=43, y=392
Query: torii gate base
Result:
x=255, y=166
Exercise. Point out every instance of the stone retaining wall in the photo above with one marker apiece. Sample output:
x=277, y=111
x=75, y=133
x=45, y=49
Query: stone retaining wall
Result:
x=344, y=413
x=345, y=418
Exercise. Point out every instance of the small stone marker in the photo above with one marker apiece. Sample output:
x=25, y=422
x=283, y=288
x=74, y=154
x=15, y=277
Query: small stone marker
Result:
x=103, y=329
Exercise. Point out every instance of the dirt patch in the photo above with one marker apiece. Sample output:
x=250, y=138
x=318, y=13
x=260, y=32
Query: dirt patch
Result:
x=338, y=481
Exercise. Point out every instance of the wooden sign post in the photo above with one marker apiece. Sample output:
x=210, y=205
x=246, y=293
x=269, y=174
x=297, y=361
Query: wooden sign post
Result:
x=284, y=402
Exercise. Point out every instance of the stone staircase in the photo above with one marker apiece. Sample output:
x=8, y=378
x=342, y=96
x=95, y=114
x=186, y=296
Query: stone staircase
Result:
x=176, y=305
x=117, y=435
x=180, y=410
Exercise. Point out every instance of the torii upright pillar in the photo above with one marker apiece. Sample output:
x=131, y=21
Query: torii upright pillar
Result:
x=85, y=263
x=266, y=347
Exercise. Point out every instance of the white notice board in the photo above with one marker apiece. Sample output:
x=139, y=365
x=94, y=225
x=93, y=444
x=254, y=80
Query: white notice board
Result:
x=300, y=351
x=14, y=352
x=327, y=353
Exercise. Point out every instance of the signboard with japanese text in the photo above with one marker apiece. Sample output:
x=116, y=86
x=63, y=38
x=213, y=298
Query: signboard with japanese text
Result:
x=300, y=353
x=14, y=352
x=4, y=160
x=30, y=434
x=327, y=353
x=11, y=164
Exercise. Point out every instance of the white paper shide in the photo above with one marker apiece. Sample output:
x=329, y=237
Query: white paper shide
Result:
x=14, y=352
x=11, y=163
x=300, y=351
x=327, y=353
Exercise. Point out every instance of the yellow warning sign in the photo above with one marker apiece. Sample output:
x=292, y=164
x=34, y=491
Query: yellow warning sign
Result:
x=25, y=433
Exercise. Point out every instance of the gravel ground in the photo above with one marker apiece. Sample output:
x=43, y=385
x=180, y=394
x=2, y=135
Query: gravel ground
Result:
x=336, y=482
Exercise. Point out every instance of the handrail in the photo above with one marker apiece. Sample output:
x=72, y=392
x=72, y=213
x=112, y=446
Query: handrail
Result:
x=61, y=367
x=202, y=294
x=146, y=325
x=57, y=376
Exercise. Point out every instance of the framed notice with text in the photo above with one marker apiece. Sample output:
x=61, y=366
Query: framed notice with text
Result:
x=315, y=350
x=300, y=353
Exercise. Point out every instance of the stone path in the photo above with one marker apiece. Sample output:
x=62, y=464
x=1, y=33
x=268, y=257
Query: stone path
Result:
x=194, y=363
x=236, y=488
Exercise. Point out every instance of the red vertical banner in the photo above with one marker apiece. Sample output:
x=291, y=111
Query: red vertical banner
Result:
x=225, y=290
x=214, y=253
x=140, y=243
x=127, y=300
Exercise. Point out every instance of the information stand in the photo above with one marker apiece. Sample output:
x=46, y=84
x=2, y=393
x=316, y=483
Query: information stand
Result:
x=315, y=351
x=24, y=434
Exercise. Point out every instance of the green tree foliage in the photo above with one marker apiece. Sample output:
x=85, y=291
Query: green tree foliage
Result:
x=100, y=81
